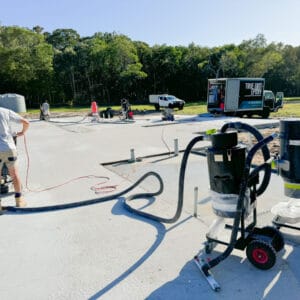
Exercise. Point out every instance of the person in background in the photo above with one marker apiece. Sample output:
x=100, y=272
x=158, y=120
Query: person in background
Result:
x=8, y=150
x=126, y=109
x=45, y=111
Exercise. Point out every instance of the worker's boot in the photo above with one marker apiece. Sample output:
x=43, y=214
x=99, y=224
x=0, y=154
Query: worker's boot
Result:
x=20, y=202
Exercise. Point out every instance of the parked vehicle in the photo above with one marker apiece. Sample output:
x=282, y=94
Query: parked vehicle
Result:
x=242, y=96
x=166, y=101
x=272, y=101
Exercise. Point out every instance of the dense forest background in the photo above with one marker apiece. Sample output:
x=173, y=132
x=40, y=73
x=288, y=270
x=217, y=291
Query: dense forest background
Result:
x=68, y=69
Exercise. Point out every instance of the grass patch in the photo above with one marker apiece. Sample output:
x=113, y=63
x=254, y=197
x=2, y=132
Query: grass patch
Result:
x=193, y=109
x=291, y=99
x=289, y=109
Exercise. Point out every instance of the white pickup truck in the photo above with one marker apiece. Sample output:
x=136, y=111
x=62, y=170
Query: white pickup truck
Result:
x=166, y=101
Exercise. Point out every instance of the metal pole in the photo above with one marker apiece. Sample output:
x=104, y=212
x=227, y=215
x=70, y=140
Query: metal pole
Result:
x=132, y=156
x=176, y=151
x=195, y=201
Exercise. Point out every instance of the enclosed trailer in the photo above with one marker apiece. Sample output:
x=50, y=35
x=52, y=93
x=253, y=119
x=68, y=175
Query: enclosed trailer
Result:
x=237, y=96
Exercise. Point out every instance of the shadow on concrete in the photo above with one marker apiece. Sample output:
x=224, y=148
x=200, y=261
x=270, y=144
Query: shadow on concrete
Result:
x=118, y=209
x=238, y=280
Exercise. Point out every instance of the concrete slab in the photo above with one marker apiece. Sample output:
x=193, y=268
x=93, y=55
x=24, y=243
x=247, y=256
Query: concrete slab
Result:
x=103, y=251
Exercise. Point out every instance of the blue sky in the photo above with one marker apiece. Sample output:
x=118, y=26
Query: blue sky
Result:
x=172, y=22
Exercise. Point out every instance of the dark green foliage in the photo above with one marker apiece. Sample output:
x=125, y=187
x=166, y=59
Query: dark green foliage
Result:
x=68, y=69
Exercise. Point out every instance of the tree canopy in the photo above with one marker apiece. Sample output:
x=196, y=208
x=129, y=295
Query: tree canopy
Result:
x=64, y=67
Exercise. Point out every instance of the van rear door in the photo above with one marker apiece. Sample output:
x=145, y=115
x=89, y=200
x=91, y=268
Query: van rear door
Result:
x=215, y=95
x=232, y=94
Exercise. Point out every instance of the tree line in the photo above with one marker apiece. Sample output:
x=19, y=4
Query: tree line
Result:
x=68, y=69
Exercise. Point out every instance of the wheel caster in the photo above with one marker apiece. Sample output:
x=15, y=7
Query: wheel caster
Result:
x=277, y=237
x=261, y=254
x=209, y=246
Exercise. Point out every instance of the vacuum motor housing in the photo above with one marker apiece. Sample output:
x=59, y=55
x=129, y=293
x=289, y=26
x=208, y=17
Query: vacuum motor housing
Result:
x=289, y=166
x=226, y=163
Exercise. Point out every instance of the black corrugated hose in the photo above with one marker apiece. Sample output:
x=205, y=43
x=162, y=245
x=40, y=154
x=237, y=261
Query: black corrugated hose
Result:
x=135, y=196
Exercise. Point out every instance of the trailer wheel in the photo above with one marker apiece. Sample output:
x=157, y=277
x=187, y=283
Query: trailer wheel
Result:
x=261, y=254
x=277, y=237
x=265, y=113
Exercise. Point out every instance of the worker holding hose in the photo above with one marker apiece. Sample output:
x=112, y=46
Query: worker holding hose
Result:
x=8, y=150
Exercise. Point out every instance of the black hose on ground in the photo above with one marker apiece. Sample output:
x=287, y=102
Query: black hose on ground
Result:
x=180, y=189
x=68, y=122
x=265, y=151
x=88, y=202
x=136, y=196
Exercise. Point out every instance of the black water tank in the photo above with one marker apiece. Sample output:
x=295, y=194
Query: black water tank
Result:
x=226, y=163
x=290, y=156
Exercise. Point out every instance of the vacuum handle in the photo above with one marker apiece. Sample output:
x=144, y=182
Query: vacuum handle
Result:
x=258, y=146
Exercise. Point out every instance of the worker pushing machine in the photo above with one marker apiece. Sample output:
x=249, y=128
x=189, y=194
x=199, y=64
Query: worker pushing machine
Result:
x=126, y=111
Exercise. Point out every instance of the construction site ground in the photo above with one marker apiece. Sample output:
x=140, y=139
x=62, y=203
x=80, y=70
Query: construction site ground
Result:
x=103, y=251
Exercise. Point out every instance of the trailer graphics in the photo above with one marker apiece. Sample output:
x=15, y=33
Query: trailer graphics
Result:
x=251, y=95
x=241, y=96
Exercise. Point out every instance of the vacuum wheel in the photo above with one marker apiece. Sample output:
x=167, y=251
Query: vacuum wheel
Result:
x=209, y=246
x=275, y=234
x=261, y=254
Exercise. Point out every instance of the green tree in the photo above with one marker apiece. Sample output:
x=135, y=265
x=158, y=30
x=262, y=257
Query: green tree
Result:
x=259, y=58
x=118, y=64
x=26, y=62
x=64, y=42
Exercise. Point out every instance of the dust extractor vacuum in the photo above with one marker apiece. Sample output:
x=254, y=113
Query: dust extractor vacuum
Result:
x=235, y=187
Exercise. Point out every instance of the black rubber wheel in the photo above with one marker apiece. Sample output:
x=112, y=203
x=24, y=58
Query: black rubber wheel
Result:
x=209, y=246
x=272, y=232
x=261, y=254
x=265, y=113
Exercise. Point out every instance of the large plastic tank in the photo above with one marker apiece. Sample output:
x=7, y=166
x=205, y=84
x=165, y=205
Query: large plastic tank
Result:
x=14, y=102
